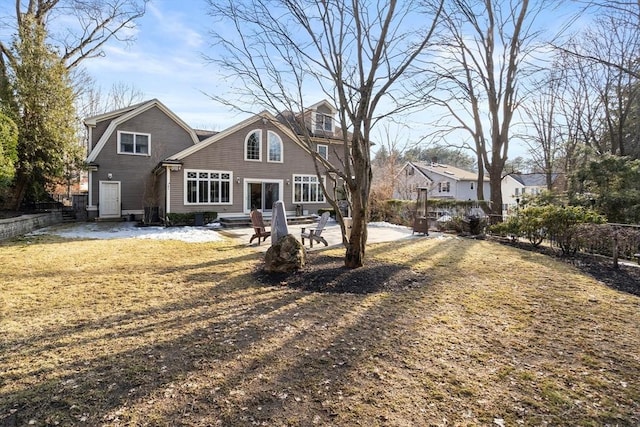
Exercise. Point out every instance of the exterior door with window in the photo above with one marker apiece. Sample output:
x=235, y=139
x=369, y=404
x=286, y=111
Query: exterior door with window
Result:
x=263, y=195
x=109, y=199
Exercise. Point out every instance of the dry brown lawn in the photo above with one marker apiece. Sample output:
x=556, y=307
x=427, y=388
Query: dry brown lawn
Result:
x=141, y=332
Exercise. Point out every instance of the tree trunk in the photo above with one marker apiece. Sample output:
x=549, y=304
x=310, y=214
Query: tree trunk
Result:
x=354, y=256
x=355, y=253
x=18, y=192
x=495, y=183
x=616, y=249
x=480, y=182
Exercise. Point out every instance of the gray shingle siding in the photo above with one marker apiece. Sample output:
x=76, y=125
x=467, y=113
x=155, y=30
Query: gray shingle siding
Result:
x=134, y=171
x=228, y=155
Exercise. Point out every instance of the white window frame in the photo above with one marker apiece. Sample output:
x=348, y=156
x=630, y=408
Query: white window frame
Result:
x=209, y=180
x=444, y=187
x=326, y=151
x=274, y=137
x=321, y=124
x=311, y=181
x=135, y=135
x=246, y=142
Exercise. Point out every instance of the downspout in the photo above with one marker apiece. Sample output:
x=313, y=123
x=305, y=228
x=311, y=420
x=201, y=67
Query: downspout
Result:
x=89, y=171
x=167, y=192
x=90, y=187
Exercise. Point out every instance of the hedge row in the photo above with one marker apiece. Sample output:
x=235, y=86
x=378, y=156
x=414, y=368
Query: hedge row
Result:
x=189, y=218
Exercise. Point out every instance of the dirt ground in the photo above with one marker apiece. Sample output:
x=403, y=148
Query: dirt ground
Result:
x=324, y=273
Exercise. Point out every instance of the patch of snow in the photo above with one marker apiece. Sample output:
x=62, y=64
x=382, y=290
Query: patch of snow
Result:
x=386, y=224
x=129, y=230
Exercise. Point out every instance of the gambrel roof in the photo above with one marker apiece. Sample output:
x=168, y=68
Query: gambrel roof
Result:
x=120, y=116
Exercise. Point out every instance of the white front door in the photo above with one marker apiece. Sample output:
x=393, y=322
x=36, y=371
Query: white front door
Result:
x=109, y=199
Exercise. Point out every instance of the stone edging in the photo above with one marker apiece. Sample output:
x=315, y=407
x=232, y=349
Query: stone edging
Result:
x=12, y=227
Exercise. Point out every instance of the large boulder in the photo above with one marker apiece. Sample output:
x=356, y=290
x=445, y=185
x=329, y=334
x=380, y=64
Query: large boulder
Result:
x=285, y=256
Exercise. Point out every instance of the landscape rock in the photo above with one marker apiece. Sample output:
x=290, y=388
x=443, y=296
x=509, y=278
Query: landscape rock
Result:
x=285, y=256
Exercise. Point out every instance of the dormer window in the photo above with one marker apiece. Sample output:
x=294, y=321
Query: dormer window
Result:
x=324, y=122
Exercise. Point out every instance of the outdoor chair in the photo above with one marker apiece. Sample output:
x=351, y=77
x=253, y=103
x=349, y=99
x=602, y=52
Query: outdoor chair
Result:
x=315, y=233
x=258, y=226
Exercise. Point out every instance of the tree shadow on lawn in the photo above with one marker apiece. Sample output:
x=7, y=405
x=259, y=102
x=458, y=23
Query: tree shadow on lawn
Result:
x=85, y=389
x=382, y=356
x=219, y=358
x=94, y=385
x=626, y=278
x=327, y=273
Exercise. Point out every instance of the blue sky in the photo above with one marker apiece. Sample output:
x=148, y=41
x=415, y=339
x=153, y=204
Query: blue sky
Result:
x=166, y=62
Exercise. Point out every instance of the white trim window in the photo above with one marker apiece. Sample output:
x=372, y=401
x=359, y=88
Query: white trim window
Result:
x=138, y=144
x=253, y=146
x=323, y=151
x=274, y=150
x=203, y=187
x=307, y=189
x=324, y=122
x=444, y=187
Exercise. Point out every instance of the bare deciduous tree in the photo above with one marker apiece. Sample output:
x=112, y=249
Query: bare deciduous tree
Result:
x=352, y=53
x=486, y=46
x=88, y=25
x=617, y=41
x=543, y=115
x=627, y=15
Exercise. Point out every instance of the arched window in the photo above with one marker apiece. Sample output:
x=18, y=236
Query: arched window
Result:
x=274, y=147
x=252, y=146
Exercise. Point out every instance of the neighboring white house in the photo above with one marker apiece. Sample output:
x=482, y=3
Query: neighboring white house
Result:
x=516, y=186
x=443, y=182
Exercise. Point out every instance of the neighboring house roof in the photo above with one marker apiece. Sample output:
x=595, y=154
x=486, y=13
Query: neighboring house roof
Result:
x=126, y=114
x=452, y=172
x=533, y=179
x=416, y=169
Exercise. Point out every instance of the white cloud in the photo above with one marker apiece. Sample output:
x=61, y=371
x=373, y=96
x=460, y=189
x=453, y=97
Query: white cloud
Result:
x=176, y=25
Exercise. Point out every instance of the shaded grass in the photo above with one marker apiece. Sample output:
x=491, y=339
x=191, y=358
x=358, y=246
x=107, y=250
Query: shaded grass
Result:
x=138, y=332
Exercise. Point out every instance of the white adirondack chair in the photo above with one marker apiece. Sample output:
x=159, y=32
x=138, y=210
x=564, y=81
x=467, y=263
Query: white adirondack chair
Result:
x=316, y=232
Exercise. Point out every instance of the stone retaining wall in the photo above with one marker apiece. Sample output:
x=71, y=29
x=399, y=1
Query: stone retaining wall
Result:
x=12, y=227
